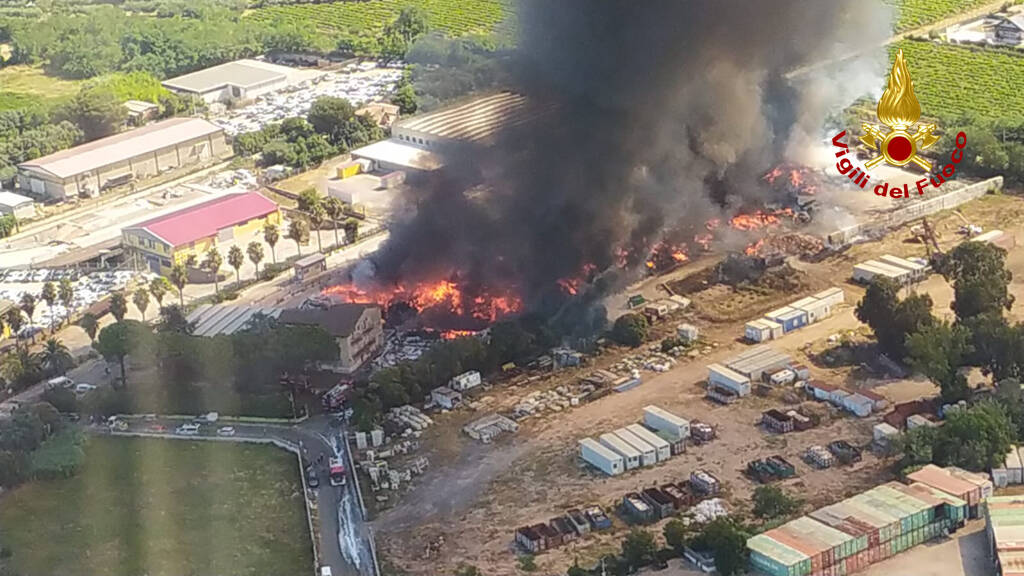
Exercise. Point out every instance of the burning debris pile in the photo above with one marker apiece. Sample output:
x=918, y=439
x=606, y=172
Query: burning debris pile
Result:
x=794, y=244
x=644, y=158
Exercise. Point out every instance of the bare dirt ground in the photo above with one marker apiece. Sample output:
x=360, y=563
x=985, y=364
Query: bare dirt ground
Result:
x=474, y=496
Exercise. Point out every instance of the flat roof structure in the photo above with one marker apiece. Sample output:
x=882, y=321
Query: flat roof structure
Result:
x=245, y=73
x=396, y=153
x=121, y=147
x=205, y=219
x=475, y=121
x=213, y=320
x=12, y=200
x=936, y=477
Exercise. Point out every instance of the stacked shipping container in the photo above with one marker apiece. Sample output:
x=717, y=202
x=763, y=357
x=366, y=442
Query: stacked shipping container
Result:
x=797, y=315
x=848, y=536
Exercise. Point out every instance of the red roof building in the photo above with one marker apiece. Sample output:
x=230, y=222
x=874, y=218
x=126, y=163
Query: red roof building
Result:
x=175, y=237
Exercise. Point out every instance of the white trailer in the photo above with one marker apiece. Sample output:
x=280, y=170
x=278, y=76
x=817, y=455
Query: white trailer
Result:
x=834, y=296
x=815, y=309
x=600, y=457
x=662, y=448
x=631, y=456
x=648, y=453
x=664, y=421
x=761, y=330
x=465, y=381
x=866, y=272
x=719, y=375
x=916, y=271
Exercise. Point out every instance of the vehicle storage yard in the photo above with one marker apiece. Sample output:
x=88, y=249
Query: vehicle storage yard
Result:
x=487, y=491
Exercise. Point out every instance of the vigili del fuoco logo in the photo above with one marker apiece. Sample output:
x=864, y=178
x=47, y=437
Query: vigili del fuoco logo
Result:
x=894, y=143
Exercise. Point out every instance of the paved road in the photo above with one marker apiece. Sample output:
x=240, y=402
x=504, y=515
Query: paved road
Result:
x=343, y=541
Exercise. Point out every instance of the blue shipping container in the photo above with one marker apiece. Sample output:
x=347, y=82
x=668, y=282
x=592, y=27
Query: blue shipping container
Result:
x=792, y=320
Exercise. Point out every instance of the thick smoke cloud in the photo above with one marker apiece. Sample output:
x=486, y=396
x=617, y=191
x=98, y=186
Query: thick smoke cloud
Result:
x=664, y=114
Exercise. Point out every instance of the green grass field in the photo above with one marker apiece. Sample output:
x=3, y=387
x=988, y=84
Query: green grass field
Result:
x=453, y=17
x=952, y=80
x=22, y=85
x=914, y=13
x=163, y=508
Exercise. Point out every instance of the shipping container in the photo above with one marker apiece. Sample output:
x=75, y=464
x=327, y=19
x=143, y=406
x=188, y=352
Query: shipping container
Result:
x=630, y=456
x=917, y=271
x=721, y=376
x=816, y=309
x=867, y=271
x=762, y=330
x=792, y=320
x=774, y=558
x=834, y=296
x=648, y=453
x=601, y=457
x=663, y=450
x=666, y=422
x=765, y=361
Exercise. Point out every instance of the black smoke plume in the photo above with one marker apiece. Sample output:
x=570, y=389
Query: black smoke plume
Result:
x=665, y=114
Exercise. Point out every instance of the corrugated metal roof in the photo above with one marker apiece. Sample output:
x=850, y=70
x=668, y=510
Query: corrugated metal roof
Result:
x=395, y=152
x=244, y=73
x=936, y=477
x=939, y=494
x=477, y=120
x=666, y=415
x=777, y=551
x=120, y=147
x=206, y=219
x=12, y=200
x=779, y=312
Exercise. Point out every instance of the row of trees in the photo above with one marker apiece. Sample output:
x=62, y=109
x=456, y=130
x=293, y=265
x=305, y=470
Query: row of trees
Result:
x=21, y=435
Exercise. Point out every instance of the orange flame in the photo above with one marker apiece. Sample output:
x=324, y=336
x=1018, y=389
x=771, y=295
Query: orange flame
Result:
x=759, y=219
x=453, y=334
x=704, y=240
x=753, y=248
x=443, y=294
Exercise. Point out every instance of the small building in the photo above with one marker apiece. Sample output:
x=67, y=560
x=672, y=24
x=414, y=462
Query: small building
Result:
x=465, y=381
x=790, y=318
x=529, y=540
x=866, y=272
x=140, y=111
x=630, y=455
x=21, y=207
x=187, y=234
x=445, y=397
x=878, y=402
x=776, y=421
x=664, y=421
x=762, y=330
x=601, y=457
x=756, y=361
x=357, y=329
x=121, y=159
x=721, y=376
x=663, y=449
x=382, y=113
x=309, y=266
x=918, y=421
x=816, y=309
x=1010, y=30
x=897, y=417
x=833, y=296
x=637, y=509
x=859, y=405
x=704, y=482
x=648, y=453
x=660, y=502
x=883, y=434
x=916, y=270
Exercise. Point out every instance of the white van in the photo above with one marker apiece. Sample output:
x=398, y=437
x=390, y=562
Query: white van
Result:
x=189, y=429
x=325, y=571
x=59, y=382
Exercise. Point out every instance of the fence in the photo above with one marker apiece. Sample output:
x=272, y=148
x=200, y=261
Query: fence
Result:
x=880, y=223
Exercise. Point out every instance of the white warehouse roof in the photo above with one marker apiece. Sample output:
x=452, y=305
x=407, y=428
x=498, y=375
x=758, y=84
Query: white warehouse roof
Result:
x=121, y=147
x=212, y=320
x=397, y=153
x=12, y=200
x=244, y=73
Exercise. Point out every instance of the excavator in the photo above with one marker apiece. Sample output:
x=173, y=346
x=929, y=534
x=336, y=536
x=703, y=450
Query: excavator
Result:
x=925, y=234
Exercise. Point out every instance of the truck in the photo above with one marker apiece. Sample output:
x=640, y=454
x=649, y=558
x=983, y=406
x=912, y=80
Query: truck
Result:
x=336, y=472
x=334, y=399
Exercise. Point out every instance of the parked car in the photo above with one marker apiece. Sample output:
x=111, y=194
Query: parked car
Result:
x=311, y=478
x=59, y=382
x=82, y=388
x=226, y=431
x=190, y=429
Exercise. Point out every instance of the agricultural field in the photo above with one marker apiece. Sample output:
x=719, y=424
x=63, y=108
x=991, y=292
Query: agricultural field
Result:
x=950, y=80
x=453, y=17
x=162, y=508
x=21, y=85
x=912, y=14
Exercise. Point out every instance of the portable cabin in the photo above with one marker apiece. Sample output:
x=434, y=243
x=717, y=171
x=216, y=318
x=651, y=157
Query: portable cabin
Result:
x=648, y=453
x=821, y=390
x=631, y=456
x=866, y=272
x=662, y=449
x=719, y=375
x=762, y=330
x=601, y=457
x=834, y=296
x=664, y=421
x=859, y=405
x=915, y=270
x=816, y=309
x=687, y=332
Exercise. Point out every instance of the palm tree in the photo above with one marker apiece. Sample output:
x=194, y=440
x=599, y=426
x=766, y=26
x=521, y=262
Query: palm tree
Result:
x=179, y=277
x=49, y=296
x=14, y=320
x=141, y=300
x=255, y=252
x=28, y=306
x=158, y=287
x=91, y=324
x=236, y=258
x=66, y=294
x=118, y=305
x=317, y=215
x=20, y=366
x=271, y=235
x=334, y=208
x=213, y=263
x=55, y=355
x=298, y=231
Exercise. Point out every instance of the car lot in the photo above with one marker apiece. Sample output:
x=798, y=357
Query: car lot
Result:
x=89, y=288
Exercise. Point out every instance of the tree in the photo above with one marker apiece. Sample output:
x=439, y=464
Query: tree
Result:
x=56, y=357
x=980, y=279
x=63, y=399
x=890, y=319
x=66, y=294
x=113, y=344
x=49, y=295
x=91, y=324
x=308, y=198
x=675, y=532
x=728, y=542
x=141, y=300
x=335, y=209
x=14, y=320
x=527, y=563
x=28, y=306
x=96, y=110
x=298, y=230
x=405, y=99
x=976, y=439
x=771, y=502
x=917, y=447
x=937, y=351
x=317, y=215
x=351, y=230
x=118, y=305
x=235, y=259
x=158, y=287
x=172, y=319
x=212, y=264
x=255, y=252
x=271, y=234
x=630, y=330
x=638, y=548
x=179, y=277
x=329, y=115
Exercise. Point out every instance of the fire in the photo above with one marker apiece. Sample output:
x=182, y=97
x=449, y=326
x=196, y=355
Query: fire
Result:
x=713, y=224
x=798, y=179
x=772, y=175
x=444, y=295
x=571, y=286
x=759, y=219
x=753, y=248
x=453, y=334
x=665, y=256
x=679, y=256
x=704, y=240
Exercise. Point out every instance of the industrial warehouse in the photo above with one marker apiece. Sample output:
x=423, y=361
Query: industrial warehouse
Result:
x=125, y=158
x=239, y=80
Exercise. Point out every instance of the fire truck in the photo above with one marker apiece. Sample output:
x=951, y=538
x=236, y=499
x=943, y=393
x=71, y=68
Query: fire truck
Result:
x=334, y=399
x=336, y=472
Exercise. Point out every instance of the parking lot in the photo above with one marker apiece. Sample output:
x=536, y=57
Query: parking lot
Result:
x=88, y=289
